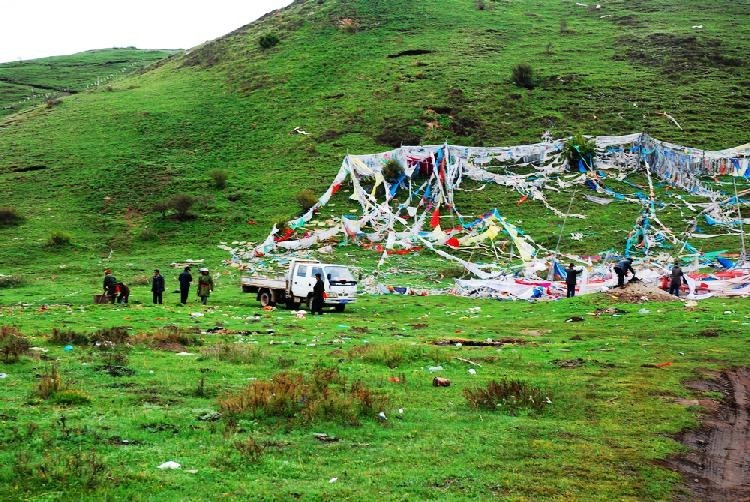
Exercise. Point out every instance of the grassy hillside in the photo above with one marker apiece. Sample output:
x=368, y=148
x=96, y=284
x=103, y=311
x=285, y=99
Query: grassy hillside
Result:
x=25, y=84
x=362, y=76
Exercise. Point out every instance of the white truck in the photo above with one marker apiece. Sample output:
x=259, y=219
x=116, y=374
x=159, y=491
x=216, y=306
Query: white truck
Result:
x=296, y=287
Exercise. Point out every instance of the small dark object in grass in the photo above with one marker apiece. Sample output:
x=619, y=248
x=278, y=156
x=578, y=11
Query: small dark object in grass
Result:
x=568, y=363
x=9, y=217
x=709, y=333
x=210, y=416
x=576, y=338
x=325, y=438
x=117, y=371
x=575, y=318
x=160, y=427
x=441, y=382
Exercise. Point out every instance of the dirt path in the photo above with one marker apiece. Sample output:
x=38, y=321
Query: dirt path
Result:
x=718, y=467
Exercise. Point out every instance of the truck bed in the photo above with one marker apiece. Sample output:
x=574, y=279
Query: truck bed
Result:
x=263, y=283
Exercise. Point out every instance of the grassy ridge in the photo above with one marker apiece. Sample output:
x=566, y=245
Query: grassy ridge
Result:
x=25, y=84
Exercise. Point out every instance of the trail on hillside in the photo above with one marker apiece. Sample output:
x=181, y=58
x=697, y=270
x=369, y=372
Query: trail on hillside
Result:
x=718, y=467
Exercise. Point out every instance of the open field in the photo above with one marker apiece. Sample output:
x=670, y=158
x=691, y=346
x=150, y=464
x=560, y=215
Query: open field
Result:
x=611, y=420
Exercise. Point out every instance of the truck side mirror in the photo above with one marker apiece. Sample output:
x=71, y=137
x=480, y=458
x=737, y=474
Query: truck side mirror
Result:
x=328, y=276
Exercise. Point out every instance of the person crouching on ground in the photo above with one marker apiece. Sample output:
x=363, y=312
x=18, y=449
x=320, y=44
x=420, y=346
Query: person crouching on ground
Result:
x=571, y=275
x=621, y=269
x=205, y=285
x=318, y=296
x=123, y=292
x=110, y=286
x=157, y=286
x=676, y=279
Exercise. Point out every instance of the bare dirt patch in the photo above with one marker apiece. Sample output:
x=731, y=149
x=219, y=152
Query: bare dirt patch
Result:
x=718, y=466
x=637, y=292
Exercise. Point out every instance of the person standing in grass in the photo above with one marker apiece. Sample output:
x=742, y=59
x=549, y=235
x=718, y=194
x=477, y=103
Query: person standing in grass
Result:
x=110, y=285
x=185, y=280
x=157, y=286
x=676, y=279
x=318, y=295
x=205, y=285
x=571, y=274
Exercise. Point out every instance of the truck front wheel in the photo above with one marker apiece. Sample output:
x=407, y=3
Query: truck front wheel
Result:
x=266, y=300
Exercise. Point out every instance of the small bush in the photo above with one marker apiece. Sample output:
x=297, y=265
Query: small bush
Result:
x=11, y=281
x=395, y=355
x=480, y=4
x=162, y=207
x=169, y=338
x=9, y=217
x=234, y=197
x=392, y=170
x=282, y=224
x=52, y=102
x=523, y=76
x=268, y=40
x=306, y=199
x=507, y=396
x=219, y=178
x=12, y=343
x=234, y=353
x=348, y=25
x=182, y=204
x=50, y=383
x=564, y=26
x=115, y=336
x=250, y=449
x=68, y=337
x=71, y=397
x=58, y=240
x=148, y=235
x=291, y=395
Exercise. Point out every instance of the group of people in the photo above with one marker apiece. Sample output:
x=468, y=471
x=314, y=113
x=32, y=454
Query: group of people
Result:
x=116, y=291
x=623, y=267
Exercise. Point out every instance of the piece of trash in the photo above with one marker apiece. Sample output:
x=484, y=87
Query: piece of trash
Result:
x=197, y=314
x=191, y=471
x=170, y=465
x=691, y=304
x=547, y=400
x=300, y=314
x=459, y=344
x=575, y=318
x=343, y=326
x=728, y=312
x=68, y=348
x=333, y=480
x=472, y=371
x=3, y=375
x=697, y=26
x=211, y=416
x=394, y=379
x=433, y=369
x=441, y=382
x=382, y=417
x=39, y=349
x=400, y=411
x=322, y=436
x=644, y=311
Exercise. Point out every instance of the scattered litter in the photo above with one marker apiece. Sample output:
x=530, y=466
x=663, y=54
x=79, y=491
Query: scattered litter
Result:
x=606, y=311
x=575, y=318
x=343, y=326
x=3, y=375
x=400, y=411
x=300, y=314
x=568, y=363
x=461, y=342
x=191, y=471
x=333, y=480
x=39, y=349
x=394, y=379
x=472, y=371
x=658, y=365
x=185, y=354
x=170, y=465
x=211, y=416
x=322, y=436
x=433, y=369
x=299, y=130
x=68, y=348
x=382, y=417
x=197, y=314
x=697, y=26
x=441, y=382
x=644, y=311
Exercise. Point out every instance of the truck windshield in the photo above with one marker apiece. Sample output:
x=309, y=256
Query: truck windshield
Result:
x=339, y=275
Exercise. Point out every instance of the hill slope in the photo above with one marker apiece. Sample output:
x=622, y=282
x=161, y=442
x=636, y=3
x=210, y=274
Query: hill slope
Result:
x=24, y=84
x=362, y=76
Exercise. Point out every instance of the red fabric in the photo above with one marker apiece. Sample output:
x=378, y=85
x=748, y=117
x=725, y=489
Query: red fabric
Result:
x=435, y=219
x=452, y=242
x=335, y=188
x=285, y=236
x=522, y=200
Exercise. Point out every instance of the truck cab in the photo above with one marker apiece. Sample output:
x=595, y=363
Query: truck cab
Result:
x=340, y=285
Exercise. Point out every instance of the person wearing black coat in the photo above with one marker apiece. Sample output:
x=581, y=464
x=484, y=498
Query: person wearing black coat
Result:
x=110, y=286
x=676, y=279
x=185, y=279
x=157, y=286
x=317, y=296
x=571, y=274
x=621, y=269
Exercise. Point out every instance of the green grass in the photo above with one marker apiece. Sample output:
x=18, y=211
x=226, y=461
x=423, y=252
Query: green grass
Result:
x=25, y=84
x=610, y=422
x=94, y=166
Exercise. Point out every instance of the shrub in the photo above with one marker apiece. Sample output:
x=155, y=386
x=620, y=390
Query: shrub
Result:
x=577, y=148
x=234, y=197
x=52, y=102
x=268, y=40
x=234, y=353
x=392, y=170
x=507, y=396
x=324, y=395
x=69, y=337
x=306, y=199
x=395, y=355
x=564, y=26
x=219, y=178
x=168, y=337
x=11, y=281
x=523, y=76
x=480, y=4
x=115, y=336
x=182, y=204
x=250, y=449
x=71, y=397
x=58, y=240
x=9, y=217
x=50, y=383
x=12, y=343
x=162, y=207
